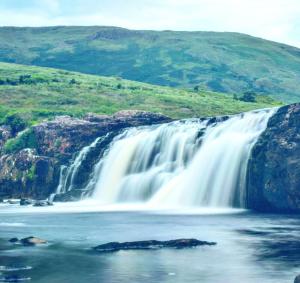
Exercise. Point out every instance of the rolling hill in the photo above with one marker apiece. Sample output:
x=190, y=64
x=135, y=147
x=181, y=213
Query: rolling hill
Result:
x=222, y=62
x=39, y=93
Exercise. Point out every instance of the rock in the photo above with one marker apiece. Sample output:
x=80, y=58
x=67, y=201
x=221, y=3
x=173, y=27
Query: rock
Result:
x=13, y=201
x=34, y=173
x=273, y=178
x=297, y=279
x=25, y=201
x=151, y=244
x=40, y=203
x=13, y=240
x=32, y=241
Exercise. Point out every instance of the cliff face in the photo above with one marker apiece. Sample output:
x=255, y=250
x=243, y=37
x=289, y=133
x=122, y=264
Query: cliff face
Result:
x=273, y=181
x=35, y=172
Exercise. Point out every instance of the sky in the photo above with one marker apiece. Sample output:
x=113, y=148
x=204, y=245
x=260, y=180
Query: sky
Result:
x=277, y=20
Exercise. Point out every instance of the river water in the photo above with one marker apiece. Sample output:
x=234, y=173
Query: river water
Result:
x=251, y=248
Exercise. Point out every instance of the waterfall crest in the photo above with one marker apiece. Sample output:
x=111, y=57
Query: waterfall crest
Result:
x=184, y=163
x=181, y=164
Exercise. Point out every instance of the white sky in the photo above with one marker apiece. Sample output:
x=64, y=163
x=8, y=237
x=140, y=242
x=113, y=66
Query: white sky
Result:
x=277, y=20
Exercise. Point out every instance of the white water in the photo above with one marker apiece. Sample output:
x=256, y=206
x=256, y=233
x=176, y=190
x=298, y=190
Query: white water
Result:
x=67, y=174
x=181, y=164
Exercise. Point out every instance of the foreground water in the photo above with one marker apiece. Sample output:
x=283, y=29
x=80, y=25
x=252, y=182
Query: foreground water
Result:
x=251, y=248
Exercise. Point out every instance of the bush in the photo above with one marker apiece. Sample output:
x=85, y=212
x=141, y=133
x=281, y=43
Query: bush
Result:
x=26, y=140
x=248, y=97
x=16, y=122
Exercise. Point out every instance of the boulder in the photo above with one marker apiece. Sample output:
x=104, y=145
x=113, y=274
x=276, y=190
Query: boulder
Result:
x=32, y=241
x=24, y=202
x=273, y=177
x=151, y=244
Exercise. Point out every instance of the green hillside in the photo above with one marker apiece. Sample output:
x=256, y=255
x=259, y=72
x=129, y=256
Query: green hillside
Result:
x=222, y=62
x=39, y=93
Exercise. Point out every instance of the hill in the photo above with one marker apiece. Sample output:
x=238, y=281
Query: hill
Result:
x=222, y=62
x=41, y=93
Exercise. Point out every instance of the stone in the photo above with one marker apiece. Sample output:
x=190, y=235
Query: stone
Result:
x=13, y=240
x=41, y=203
x=32, y=241
x=273, y=177
x=24, y=202
x=151, y=244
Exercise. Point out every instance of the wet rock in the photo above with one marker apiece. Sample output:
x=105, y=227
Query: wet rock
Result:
x=41, y=203
x=152, y=244
x=24, y=202
x=13, y=201
x=32, y=241
x=13, y=240
x=273, y=178
x=297, y=279
x=34, y=173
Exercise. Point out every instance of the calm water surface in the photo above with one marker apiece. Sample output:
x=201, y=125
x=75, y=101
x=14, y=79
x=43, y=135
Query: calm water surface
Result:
x=252, y=248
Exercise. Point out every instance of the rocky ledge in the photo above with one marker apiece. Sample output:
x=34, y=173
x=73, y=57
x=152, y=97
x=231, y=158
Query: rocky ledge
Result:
x=273, y=182
x=152, y=244
x=34, y=172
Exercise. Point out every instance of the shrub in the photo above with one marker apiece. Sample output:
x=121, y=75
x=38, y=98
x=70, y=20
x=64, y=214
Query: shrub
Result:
x=248, y=96
x=16, y=122
x=26, y=140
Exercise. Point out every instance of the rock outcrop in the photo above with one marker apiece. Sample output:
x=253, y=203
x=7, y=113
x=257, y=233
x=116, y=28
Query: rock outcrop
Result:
x=152, y=244
x=273, y=182
x=34, y=173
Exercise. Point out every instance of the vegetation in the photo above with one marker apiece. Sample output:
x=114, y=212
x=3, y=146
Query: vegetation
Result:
x=42, y=93
x=25, y=139
x=221, y=62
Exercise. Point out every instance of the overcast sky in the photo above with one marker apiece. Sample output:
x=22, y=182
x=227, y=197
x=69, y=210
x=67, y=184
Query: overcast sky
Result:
x=277, y=20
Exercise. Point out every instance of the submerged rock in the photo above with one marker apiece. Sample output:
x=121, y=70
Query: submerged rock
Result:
x=152, y=244
x=32, y=241
x=24, y=202
x=297, y=279
x=29, y=241
x=40, y=203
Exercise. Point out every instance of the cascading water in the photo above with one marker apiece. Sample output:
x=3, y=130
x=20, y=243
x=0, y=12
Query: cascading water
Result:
x=67, y=174
x=184, y=163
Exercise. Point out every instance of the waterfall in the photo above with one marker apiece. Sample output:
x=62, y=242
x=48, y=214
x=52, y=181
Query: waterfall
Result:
x=187, y=163
x=68, y=174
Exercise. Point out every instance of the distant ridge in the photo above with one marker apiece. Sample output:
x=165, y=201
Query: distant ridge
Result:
x=217, y=61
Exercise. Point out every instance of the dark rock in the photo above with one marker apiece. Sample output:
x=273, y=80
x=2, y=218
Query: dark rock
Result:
x=13, y=240
x=13, y=201
x=297, y=279
x=32, y=241
x=26, y=201
x=273, y=178
x=27, y=175
x=41, y=203
x=152, y=244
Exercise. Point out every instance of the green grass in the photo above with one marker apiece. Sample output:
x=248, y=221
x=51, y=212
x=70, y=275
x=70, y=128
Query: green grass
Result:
x=222, y=62
x=38, y=93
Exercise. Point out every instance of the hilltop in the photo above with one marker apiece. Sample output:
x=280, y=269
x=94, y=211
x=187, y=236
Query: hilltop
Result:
x=221, y=62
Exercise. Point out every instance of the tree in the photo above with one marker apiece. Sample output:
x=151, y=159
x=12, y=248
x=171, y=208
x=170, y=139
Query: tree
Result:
x=248, y=96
